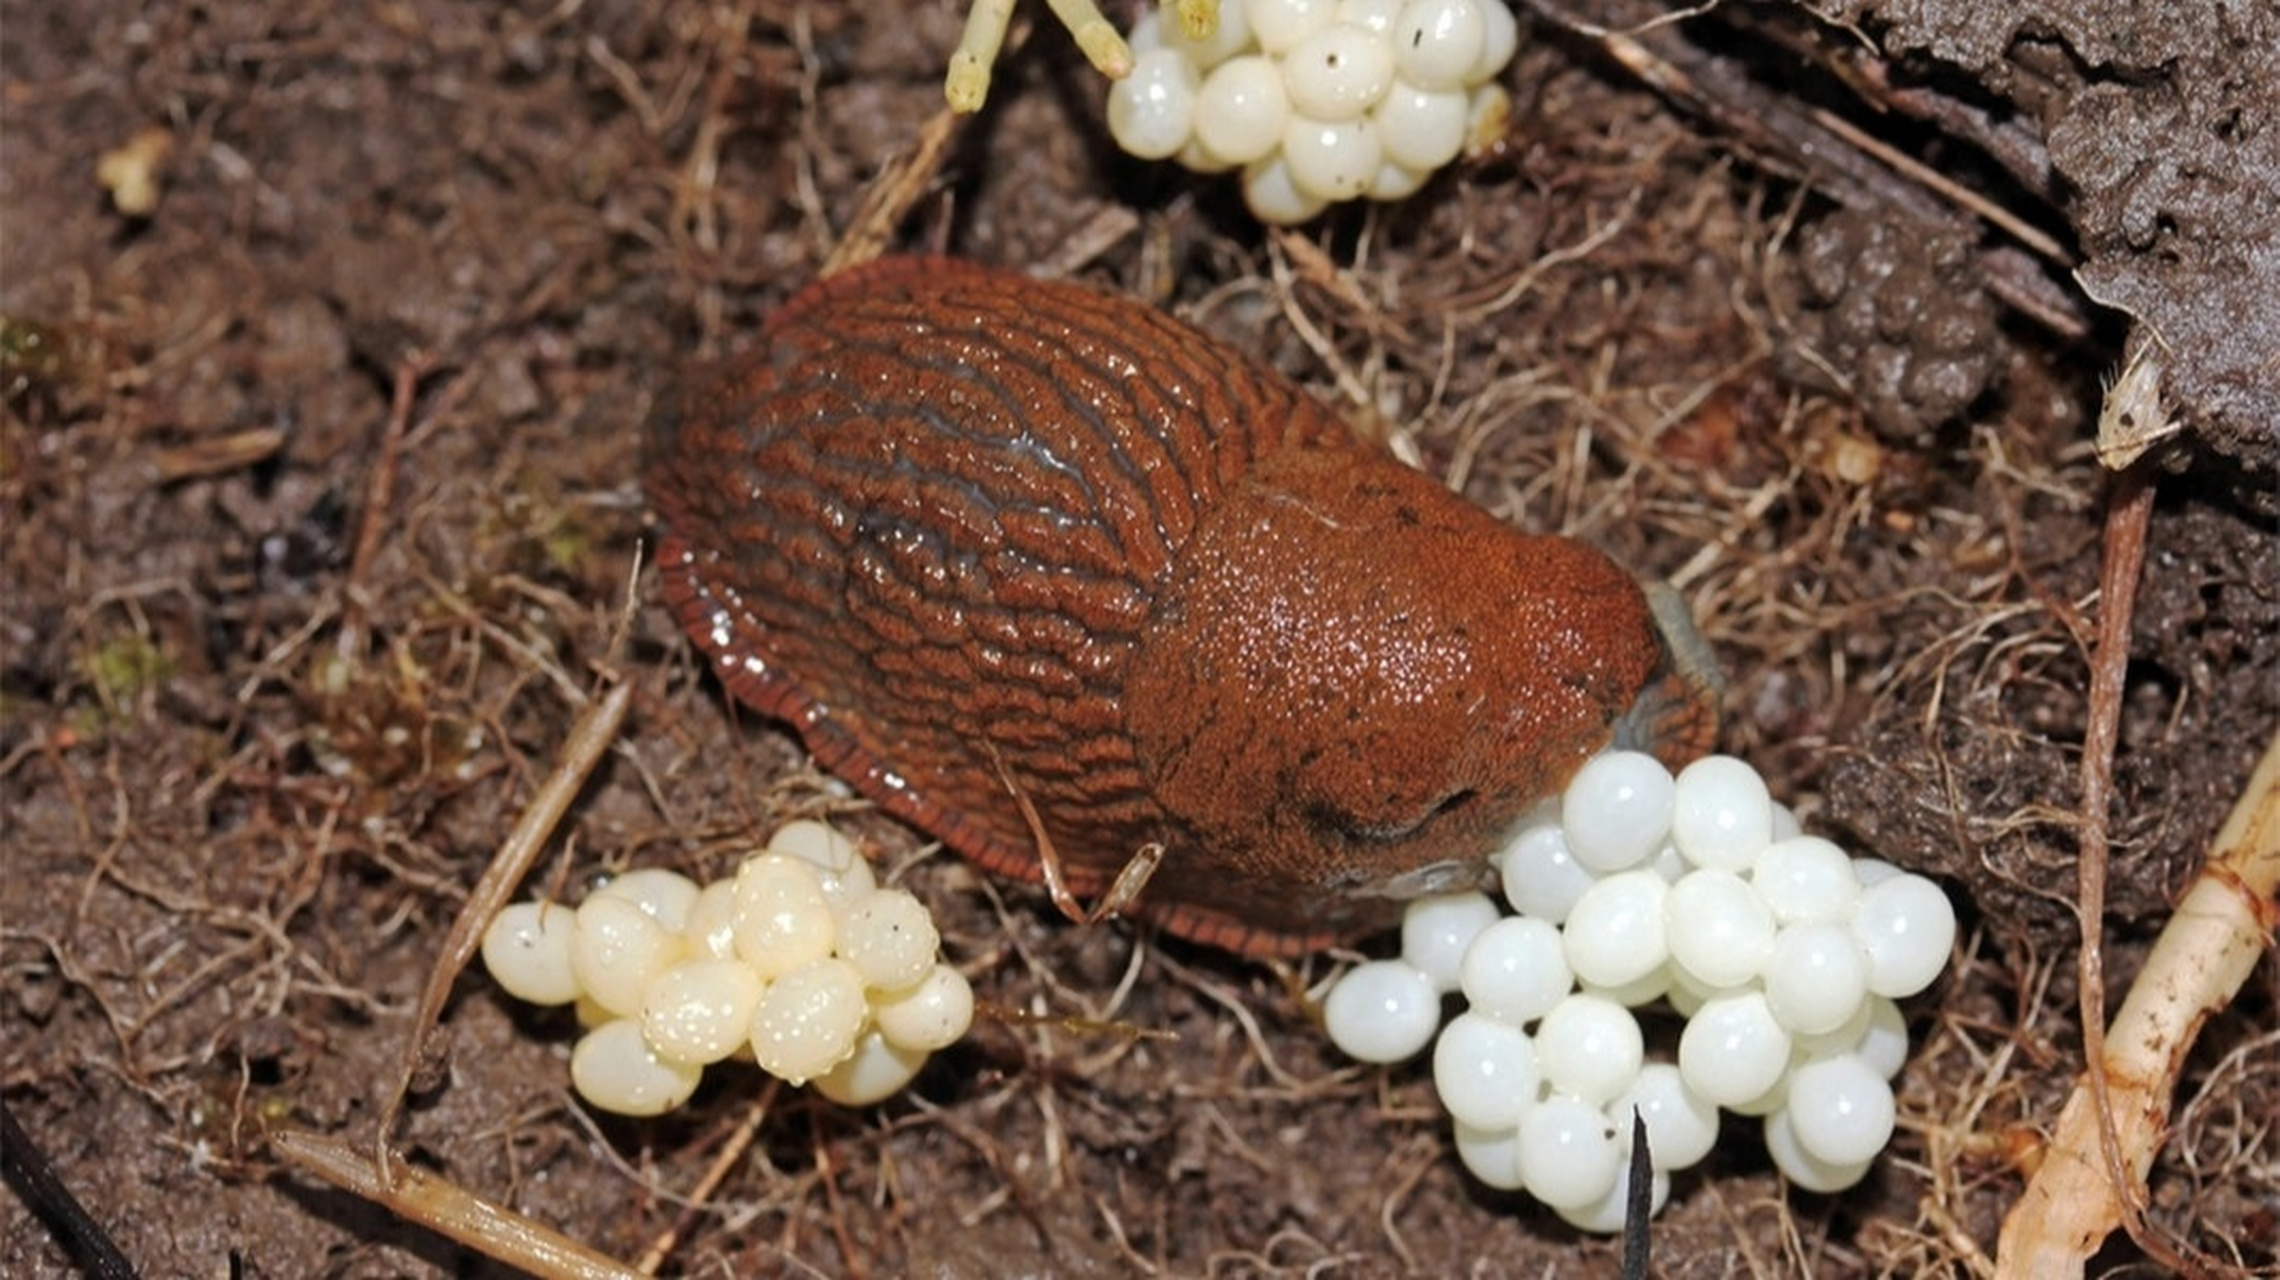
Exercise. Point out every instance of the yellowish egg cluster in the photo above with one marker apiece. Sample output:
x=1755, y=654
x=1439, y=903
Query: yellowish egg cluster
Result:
x=801, y=963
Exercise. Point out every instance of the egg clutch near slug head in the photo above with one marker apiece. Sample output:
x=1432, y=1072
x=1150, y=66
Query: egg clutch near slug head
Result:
x=1783, y=955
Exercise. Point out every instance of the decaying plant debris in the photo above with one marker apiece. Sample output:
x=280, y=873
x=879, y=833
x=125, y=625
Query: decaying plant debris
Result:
x=318, y=538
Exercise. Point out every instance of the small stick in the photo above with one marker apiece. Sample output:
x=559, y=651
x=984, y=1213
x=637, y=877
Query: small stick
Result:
x=582, y=750
x=1122, y=892
x=449, y=1210
x=898, y=187
x=33, y=1177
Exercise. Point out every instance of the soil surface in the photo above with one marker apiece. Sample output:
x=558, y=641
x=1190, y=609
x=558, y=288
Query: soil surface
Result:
x=320, y=526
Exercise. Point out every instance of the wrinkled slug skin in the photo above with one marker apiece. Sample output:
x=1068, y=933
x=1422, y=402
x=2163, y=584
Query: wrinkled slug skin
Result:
x=958, y=525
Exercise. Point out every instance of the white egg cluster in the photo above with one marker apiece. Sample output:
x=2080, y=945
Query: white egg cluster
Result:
x=801, y=963
x=1783, y=955
x=1317, y=101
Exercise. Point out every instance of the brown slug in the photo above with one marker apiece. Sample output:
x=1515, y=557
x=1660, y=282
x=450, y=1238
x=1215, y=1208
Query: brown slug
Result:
x=996, y=544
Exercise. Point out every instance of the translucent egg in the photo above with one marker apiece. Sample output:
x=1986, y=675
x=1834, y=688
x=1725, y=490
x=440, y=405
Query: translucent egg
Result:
x=1721, y=932
x=1540, y=876
x=614, y=1068
x=890, y=938
x=711, y=927
x=1485, y=1071
x=1615, y=933
x=782, y=918
x=1331, y=160
x=1841, y=1109
x=1241, y=110
x=1231, y=37
x=1785, y=824
x=1642, y=990
x=1590, y=1048
x=1568, y=1155
x=1396, y=183
x=1279, y=25
x=616, y=950
x=1273, y=198
x=1382, y=1011
x=1874, y=871
x=1722, y=814
x=1436, y=930
x=1816, y=979
x=1492, y=1155
x=1516, y=970
x=1806, y=880
x=1151, y=112
x=1607, y=1215
x=1733, y=1049
x=1884, y=1045
x=807, y=1021
x=700, y=1011
x=876, y=1071
x=928, y=1015
x=1374, y=16
x=1906, y=926
x=1436, y=42
x=1338, y=73
x=1499, y=40
x=839, y=865
x=666, y=895
x=1803, y=1167
x=1617, y=810
x=527, y=950
x=1421, y=129
x=1682, y=1126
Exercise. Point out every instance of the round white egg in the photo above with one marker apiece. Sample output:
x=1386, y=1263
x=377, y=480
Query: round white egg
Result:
x=1279, y=25
x=1437, y=929
x=1591, y=1048
x=666, y=895
x=1803, y=1167
x=1241, y=110
x=1841, y=1109
x=1733, y=1049
x=1721, y=814
x=1437, y=42
x=1485, y=1071
x=1491, y=1155
x=890, y=938
x=1338, y=73
x=782, y=918
x=1421, y=129
x=1905, y=926
x=1540, y=875
x=527, y=950
x=1615, y=934
x=1499, y=40
x=1805, y=880
x=928, y=1015
x=1331, y=160
x=1382, y=1011
x=700, y=1010
x=1568, y=1153
x=876, y=1071
x=1607, y=1216
x=1272, y=196
x=838, y=863
x=616, y=950
x=1721, y=932
x=1816, y=979
x=1682, y=1126
x=711, y=926
x=614, y=1068
x=1617, y=810
x=1151, y=112
x=1516, y=971
x=807, y=1021
x=1231, y=36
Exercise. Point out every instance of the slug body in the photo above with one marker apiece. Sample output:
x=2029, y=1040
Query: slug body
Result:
x=975, y=534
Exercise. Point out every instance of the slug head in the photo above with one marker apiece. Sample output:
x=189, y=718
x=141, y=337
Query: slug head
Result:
x=1357, y=683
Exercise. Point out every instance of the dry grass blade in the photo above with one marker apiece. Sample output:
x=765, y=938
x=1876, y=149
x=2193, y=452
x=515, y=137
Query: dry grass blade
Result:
x=439, y=1205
